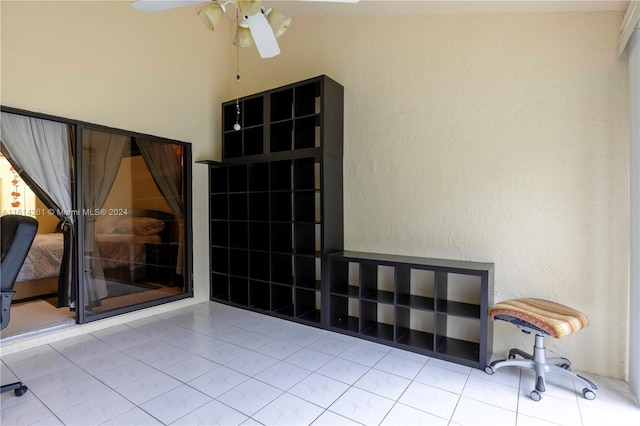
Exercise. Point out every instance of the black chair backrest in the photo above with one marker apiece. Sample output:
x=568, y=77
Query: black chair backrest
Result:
x=16, y=233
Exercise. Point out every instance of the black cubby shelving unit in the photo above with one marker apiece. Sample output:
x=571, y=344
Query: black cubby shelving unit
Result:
x=276, y=199
x=277, y=237
x=433, y=306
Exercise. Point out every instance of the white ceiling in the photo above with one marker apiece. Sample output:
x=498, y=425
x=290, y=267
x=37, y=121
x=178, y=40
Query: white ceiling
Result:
x=412, y=7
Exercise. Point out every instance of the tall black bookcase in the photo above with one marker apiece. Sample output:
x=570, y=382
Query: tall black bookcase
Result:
x=276, y=199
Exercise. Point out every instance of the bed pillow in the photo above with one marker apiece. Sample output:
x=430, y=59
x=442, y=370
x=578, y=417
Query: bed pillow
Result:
x=147, y=226
x=139, y=226
x=106, y=224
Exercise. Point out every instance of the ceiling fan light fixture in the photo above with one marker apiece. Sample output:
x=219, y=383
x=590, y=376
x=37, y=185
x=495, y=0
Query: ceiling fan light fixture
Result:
x=278, y=22
x=249, y=7
x=210, y=14
x=243, y=35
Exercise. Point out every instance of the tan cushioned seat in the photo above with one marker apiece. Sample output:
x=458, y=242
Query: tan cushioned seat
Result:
x=555, y=319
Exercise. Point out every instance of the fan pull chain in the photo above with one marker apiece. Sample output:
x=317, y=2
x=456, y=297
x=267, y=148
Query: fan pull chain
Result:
x=237, y=126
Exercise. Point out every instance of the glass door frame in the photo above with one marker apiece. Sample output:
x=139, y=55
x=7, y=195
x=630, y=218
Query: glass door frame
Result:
x=79, y=206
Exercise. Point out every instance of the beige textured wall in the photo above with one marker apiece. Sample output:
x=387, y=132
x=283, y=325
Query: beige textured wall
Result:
x=106, y=63
x=497, y=138
x=500, y=138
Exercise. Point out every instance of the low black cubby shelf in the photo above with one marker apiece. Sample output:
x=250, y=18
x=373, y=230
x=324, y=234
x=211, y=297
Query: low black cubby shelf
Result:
x=432, y=306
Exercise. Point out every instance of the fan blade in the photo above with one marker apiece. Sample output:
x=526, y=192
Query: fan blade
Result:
x=263, y=36
x=149, y=6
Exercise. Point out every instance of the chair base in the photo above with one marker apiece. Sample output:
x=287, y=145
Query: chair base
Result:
x=542, y=365
x=18, y=387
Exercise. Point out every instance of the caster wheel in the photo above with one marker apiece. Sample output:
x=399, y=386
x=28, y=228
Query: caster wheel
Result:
x=588, y=394
x=535, y=395
x=489, y=370
x=512, y=356
x=21, y=390
x=566, y=366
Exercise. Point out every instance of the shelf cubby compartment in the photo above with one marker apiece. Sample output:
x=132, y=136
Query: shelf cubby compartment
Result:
x=253, y=140
x=345, y=313
x=281, y=206
x=461, y=309
x=239, y=263
x=259, y=236
x=414, y=328
x=307, y=132
x=259, y=265
x=307, y=238
x=377, y=283
x=281, y=237
x=415, y=288
x=232, y=144
x=258, y=177
x=307, y=306
x=252, y=111
x=281, y=268
x=229, y=116
x=281, y=136
x=238, y=178
x=239, y=291
x=306, y=173
x=345, y=278
x=220, y=233
x=259, y=295
x=219, y=206
x=218, y=180
x=376, y=320
x=259, y=206
x=280, y=175
x=220, y=260
x=306, y=206
x=238, y=235
x=307, y=99
x=281, y=105
x=459, y=295
x=458, y=337
x=307, y=272
x=282, y=300
x=220, y=286
x=238, y=206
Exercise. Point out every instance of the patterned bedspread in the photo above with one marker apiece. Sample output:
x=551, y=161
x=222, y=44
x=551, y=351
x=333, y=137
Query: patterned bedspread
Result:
x=44, y=258
x=116, y=250
x=123, y=249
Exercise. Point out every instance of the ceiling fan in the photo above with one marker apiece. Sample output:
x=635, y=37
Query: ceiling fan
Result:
x=258, y=25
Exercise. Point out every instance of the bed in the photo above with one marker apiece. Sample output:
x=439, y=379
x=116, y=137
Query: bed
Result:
x=121, y=242
x=121, y=246
x=39, y=274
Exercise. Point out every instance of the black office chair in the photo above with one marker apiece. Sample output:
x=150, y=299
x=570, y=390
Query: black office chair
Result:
x=17, y=234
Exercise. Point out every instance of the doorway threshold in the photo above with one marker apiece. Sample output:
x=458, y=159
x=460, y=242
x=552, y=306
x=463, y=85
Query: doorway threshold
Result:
x=35, y=333
x=35, y=318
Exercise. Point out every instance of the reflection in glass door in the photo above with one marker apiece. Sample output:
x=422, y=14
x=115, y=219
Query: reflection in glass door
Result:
x=133, y=222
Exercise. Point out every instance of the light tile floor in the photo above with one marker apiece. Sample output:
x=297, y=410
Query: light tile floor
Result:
x=212, y=364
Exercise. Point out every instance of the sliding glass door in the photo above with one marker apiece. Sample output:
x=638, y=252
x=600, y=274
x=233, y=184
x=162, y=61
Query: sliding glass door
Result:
x=117, y=204
x=132, y=199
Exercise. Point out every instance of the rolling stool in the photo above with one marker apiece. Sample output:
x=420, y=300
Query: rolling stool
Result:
x=543, y=318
